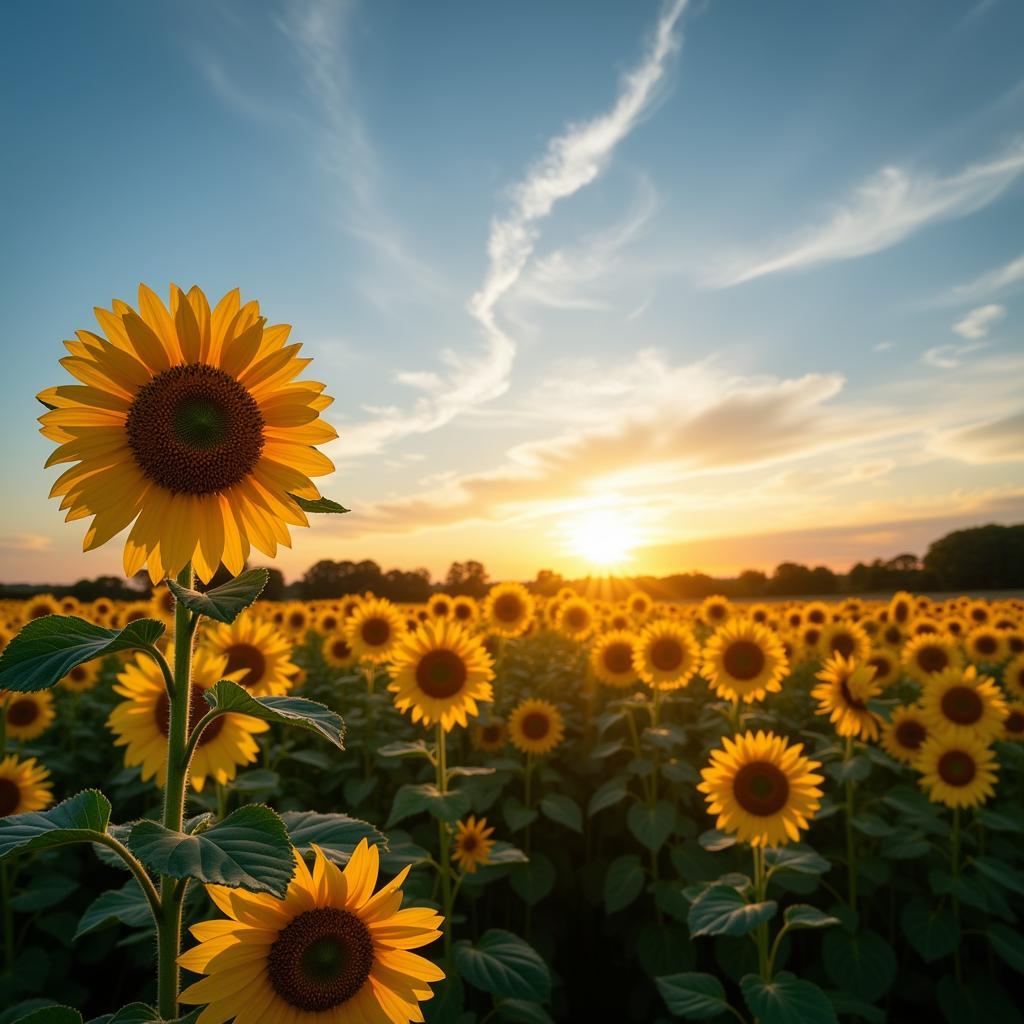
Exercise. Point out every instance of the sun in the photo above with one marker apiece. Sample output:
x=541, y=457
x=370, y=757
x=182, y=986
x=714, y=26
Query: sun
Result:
x=603, y=537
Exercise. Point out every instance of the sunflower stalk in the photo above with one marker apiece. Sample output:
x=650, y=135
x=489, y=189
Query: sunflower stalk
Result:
x=169, y=922
x=447, y=896
x=851, y=851
x=760, y=886
x=954, y=865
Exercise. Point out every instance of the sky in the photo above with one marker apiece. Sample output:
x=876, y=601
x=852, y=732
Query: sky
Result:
x=648, y=286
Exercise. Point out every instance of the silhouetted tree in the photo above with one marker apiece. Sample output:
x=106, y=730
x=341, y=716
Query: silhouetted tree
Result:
x=466, y=578
x=981, y=558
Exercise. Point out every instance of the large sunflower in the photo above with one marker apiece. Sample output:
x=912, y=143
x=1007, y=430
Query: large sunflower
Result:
x=473, y=844
x=536, y=727
x=845, y=638
x=886, y=663
x=762, y=789
x=964, y=705
x=904, y=733
x=509, y=609
x=337, y=651
x=844, y=691
x=986, y=645
x=666, y=655
x=715, y=611
x=439, y=606
x=957, y=772
x=374, y=629
x=255, y=650
x=929, y=654
x=190, y=423
x=140, y=722
x=611, y=659
x=744, y=660
x=331, y=952
x=576, y=618
x=441, y=671
x=24, y=786
x=28, y=715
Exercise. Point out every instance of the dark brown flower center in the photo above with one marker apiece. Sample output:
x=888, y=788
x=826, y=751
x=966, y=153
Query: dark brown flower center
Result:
x=716, y=611
x=979, y=614
x=320, y=960
x=340, y=649
x=78, y=674
x=37, y=611
x=881, y=664
x=848, y=697
x=932, y=658
x=842, y=643
x=743, y=660
x=535, y=725
x=618, y=657
x=892, y=635
x=1015, y=722
x=986, y=644
x=491, y=733
x=329, y=622
x=817, y=616
x=901, y=611
x=962, y=705
x=197, y=708
x=507, y=608
x=812, y=636
x=761, y=788
x=441, y=674
x=576, y=619
x=250, y=658
x=469, y=842
x=463, y=612
x=195, y=430
x=22, y=712
x=910, y=734
x=441, y=609
x=297, y=620
x=10, y=797
x=376, y=632
x=957, y=768
x=666, y=654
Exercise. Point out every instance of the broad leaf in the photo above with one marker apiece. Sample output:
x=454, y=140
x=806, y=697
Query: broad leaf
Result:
x=250, y=849
x=410, y=800
x=607, y=795
x=128, y=905
x=930, y=929
x=504, y=965
x=306, y=714
x=562, y=809
x=623, y=882
x=336, y=834
x=319, y=505
x=786, y=1000
x=693, y=996
x=48, y=648
x=43, y=889
x=517, y=815
x=402, y=749
x=803, y=915
x=519, y=1011
x=80, y=819
x=1001, y=873
x=715, y=840
x=862, y=964
x=226, y=602
x=651, y=826
x=799, y=858
x=721, y=910
x=52, y=1015
x=533, y=879
x=1009, y=944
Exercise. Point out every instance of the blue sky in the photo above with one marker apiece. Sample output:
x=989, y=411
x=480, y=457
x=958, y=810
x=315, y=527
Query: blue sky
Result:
x=704, y=285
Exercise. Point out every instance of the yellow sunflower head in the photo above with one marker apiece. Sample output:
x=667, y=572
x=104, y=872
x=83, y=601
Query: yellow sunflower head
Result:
x=639, y=605
x=473, y=844
x=258, y=656
x=40, y=605
x=24, y=786
x=465, y=609
x=374, y=629
x=490, y=736
x=439, y=606
x=845, y=638
x=844, y=691
x=964, y=705
x=331, y=950
x=902, y=608
x=715, y=611
x=762, y=789
x=576, y=618
x=957, y=772
x=666, y=655
x=536, y=727
x=985, y=645
x=886, y=663
x=190, y=424
x=441, y=671
x=817, y=613
x=611, y=659
x=337, y=651
x=509, y=609
x=327, y=620
x=82, y=677
x=140, y=722
x=28, y=715
x=978, y=613
x=904, y=734
x=1013, y=676
x=929, y=654
x=1013, y=724
x=744, y=661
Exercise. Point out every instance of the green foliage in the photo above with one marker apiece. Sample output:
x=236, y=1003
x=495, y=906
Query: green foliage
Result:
x=693, y=996
x=786, y=1000
x=226, y=602
x=504, y=965
x=79, y=819
x=318, y=505
x=721, y=910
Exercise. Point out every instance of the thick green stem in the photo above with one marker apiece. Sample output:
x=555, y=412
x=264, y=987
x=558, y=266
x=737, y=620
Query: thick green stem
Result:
x=169, y=925
x=445, y=858
x=760, y=885
x=851, y=853
x=370, y=675
x=6, y=892
x=954, y=865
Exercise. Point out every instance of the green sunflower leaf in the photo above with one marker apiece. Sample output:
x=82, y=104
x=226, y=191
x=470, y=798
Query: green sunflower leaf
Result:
x=306, y=714
x=320, y=505
x=533, y=879
x=48, y=648
x=504, y=965
x=693, y=996
x=721, y=910
x=803, y=915
x=623, y=882
x=1008, y=943
x=521, y=1011
x=786, y=1000
x=226, y=602
x=797, y=857
x=410, y=800
x=127, y=905
x=250, y=849
x=563, y=809
x=651, y=826
x=336, y=834
x=861, y=964
x=51, y=1015
x=930, y=929
x=405, y=749
x=79, y=819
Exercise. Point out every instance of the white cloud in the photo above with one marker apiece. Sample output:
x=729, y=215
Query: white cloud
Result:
x=882, y=346
x=978, y=322
x=572, y=161
x=991, y=283
x=883, y=211
x=998, y=440
x=949, y=357
x=30, y=542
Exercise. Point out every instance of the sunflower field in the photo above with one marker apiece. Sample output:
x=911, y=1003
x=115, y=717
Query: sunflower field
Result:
x=219, y=808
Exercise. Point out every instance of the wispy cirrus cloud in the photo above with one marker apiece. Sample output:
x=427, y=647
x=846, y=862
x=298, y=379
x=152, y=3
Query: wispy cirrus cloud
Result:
x=994, y=282
x=571, y=161
x=883, y=211
x=976, y=324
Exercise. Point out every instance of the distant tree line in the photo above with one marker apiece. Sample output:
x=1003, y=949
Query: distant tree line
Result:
x=981, y=558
